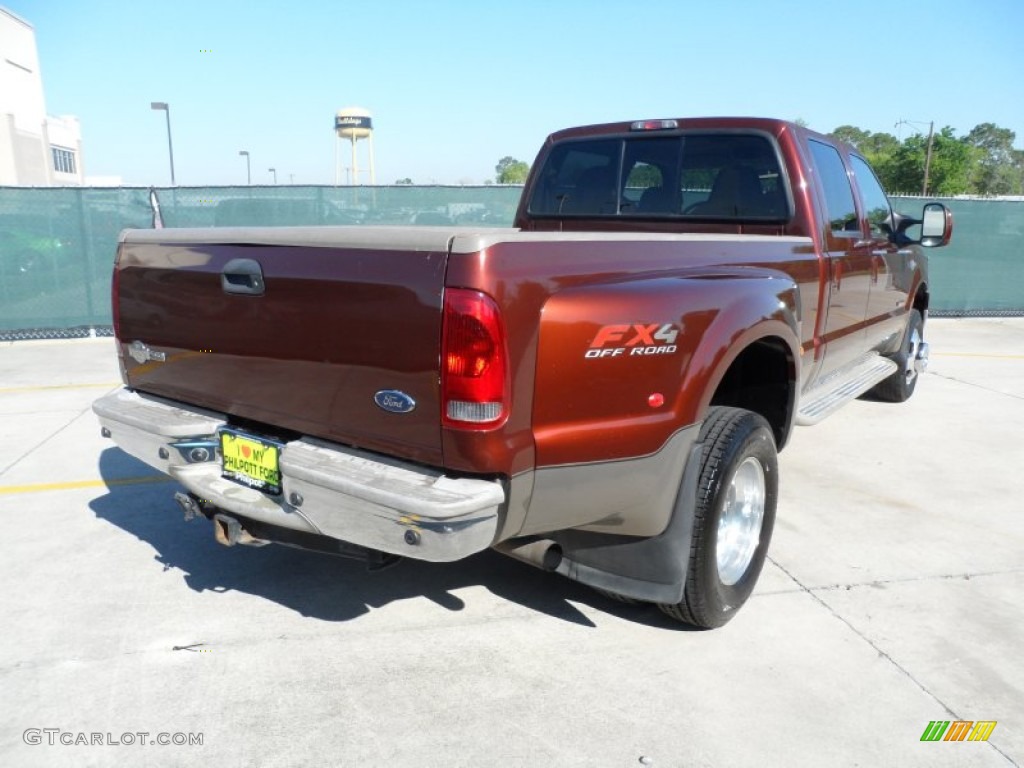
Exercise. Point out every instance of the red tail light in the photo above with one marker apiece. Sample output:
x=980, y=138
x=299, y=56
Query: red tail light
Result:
x=474, y=390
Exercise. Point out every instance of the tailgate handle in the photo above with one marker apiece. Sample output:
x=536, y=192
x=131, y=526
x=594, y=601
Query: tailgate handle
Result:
x=242, y=276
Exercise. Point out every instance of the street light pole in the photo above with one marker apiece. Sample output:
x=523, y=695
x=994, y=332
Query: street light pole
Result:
x=166, y=108
x=248, y=166
x=273, y=171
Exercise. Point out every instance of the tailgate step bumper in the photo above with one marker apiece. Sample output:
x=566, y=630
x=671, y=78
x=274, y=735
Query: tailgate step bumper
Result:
x=328, y=489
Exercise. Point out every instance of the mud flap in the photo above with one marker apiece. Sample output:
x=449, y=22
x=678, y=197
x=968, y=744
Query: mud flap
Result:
x=652, y=569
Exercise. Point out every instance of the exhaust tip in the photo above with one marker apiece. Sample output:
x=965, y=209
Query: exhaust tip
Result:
x=543, y=553
x=552, y=558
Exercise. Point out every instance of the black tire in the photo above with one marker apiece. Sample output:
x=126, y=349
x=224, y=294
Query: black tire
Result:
x=733, y=438
x=900, y=386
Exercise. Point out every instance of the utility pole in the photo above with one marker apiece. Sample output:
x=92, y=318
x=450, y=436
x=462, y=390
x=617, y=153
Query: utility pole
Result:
x=928, y=158
x=928, y=150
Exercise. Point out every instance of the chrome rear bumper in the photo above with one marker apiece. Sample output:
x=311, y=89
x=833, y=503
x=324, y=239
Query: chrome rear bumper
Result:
x=327, y=489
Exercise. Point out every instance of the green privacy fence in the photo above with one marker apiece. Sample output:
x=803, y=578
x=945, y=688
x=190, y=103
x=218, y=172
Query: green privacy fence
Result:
x=57, y=244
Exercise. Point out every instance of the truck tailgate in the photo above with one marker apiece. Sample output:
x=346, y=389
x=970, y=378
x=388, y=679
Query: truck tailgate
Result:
x=335, y=316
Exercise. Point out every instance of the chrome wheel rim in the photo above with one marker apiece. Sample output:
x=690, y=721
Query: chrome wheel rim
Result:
x=910, y=367
x=739, y=526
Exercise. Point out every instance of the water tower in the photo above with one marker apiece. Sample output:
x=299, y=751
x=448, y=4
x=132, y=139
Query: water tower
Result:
x=353, y=123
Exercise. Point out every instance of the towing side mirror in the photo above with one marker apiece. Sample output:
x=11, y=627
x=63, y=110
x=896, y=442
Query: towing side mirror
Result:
x=936, y=225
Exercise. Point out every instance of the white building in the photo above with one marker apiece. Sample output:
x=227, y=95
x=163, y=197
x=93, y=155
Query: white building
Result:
x=35, y=150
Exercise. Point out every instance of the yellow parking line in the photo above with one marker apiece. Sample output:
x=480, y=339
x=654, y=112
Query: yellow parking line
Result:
x=104, y=385
x=977, y=354
x=73, y=484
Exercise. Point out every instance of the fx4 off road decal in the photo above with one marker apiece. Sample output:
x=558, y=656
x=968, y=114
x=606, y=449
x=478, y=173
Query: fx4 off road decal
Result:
x=633, y=340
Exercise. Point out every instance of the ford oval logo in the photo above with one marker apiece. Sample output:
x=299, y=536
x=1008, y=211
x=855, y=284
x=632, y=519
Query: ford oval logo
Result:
x=393, y=401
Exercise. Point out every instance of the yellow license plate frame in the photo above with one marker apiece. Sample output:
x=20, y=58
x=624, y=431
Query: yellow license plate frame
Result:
x=252, y=461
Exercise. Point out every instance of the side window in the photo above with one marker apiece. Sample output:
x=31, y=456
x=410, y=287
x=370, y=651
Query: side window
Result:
x=875, y=202
x=842, y=213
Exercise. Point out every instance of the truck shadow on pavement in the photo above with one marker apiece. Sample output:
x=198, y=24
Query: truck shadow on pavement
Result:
x=322, y=586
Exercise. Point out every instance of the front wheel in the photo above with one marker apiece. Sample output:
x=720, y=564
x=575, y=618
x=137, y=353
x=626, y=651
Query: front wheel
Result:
x=911, y=359
x=733, y=518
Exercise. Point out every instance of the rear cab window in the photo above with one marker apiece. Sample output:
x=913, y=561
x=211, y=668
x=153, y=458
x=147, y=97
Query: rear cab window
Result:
x=731, y=176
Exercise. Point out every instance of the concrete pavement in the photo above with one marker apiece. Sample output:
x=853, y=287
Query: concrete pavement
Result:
x=892, y=598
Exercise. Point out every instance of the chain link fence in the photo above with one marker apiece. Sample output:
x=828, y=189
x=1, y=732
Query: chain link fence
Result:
x=57, y=244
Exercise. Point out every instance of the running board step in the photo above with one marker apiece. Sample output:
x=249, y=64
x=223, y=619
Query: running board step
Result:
x=842, y=386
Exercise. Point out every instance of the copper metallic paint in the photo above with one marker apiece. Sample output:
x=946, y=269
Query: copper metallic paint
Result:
x=307, y=356
x=596, y=409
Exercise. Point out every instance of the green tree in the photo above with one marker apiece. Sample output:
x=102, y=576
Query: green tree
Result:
x=998, y=169
x=1018, y=164
x=851, y=135
x=511, y=171
x=879, y=145
x=983, y=162
x=950, y=170
x=877, y=148
x=404, y=182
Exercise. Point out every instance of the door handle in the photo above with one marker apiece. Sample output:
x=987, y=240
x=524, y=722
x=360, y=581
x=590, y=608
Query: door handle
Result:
x=243, y=276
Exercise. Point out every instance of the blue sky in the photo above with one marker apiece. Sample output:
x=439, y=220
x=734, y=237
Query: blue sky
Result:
x=454, y=86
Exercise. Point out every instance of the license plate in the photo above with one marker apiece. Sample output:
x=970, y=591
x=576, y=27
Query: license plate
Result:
x=251, y=461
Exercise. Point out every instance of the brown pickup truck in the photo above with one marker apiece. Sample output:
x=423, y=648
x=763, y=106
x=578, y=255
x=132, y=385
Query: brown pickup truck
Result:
x=599, y=391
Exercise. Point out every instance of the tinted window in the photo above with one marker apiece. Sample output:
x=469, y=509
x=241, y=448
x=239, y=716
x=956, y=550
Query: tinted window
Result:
x=842, y=213
x=701, y=176
x=579, y=178
x=650, y=167
x=875, y=202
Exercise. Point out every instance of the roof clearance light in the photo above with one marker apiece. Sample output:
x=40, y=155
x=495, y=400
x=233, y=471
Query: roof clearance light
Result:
x=654, y=125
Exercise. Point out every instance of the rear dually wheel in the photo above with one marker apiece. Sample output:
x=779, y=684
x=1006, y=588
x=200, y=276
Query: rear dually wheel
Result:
x=733, y=518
